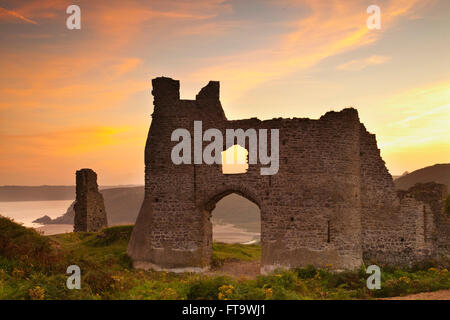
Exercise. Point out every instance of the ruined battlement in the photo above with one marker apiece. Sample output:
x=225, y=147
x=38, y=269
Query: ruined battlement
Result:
x=332, y=200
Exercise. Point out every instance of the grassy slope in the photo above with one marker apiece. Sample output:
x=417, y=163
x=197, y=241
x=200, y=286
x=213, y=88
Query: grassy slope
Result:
x=33, y=267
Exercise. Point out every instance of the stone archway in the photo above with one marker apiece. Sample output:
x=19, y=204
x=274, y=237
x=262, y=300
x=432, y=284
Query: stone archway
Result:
x=224, y=191
x=209, y=205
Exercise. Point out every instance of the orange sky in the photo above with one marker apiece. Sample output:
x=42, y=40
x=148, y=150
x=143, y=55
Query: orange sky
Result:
x=82, y=98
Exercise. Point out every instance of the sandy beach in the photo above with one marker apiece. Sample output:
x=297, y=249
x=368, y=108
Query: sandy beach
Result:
x=228, y=233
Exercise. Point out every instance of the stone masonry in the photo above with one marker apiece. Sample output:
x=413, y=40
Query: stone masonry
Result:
x=90, y=213
x=332, y=201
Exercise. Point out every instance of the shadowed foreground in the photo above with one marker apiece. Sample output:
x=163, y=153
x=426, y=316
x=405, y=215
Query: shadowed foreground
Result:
x=33, y=266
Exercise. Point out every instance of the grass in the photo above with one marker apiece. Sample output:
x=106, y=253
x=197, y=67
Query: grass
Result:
x=33, y=267
x=234, y=252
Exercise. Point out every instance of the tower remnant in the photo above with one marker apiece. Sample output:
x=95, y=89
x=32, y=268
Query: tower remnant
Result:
x=90, y=213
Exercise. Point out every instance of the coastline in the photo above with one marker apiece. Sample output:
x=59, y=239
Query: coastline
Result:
x=226, y=233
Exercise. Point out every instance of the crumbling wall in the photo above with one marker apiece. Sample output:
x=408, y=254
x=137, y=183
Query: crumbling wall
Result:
x=381, y=219
x=90, y=213
x=404, y=227
x=310, y=209
x=331, y=201
x=433, y=235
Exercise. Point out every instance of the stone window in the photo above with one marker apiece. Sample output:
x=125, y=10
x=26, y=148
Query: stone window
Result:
x=235, y=160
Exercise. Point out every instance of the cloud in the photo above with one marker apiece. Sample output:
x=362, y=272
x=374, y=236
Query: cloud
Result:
x=69, y=78
x=127, y=65
x=38, y=9
x=331, y=28
x=66, y=84
x=4, y=14
x=411, y=126
x=416, y=117
x=52, y=157
x=434, y=111
x=359, y=64
x=69, y=141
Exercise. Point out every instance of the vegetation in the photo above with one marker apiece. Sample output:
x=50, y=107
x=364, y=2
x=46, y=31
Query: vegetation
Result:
x=231, y=252
x=34, y=267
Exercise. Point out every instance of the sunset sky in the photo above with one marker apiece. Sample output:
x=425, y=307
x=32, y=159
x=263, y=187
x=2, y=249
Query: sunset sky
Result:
x=82, y=98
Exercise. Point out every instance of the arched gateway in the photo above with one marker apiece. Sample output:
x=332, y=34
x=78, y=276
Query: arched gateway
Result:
x=332, y=200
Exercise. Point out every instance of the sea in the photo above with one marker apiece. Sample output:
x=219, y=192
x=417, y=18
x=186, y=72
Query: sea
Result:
x=25, y=212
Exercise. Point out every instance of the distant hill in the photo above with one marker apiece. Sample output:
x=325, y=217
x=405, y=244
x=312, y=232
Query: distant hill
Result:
x=38, y=193
x=439, y=173
x=238, y=211
x=123, y=205
x=42, y=193
x=404, y=174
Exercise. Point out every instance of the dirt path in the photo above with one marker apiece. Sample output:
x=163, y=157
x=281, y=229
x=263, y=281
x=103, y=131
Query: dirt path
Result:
x=437, y=295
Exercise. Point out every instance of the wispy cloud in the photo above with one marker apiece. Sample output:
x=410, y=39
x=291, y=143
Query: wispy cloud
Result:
x=70, y=141
x=53, y=156
x=438, y=110
x=359, y=64
x=331, y=28
x=10, y=13
x=417, y=116
x=127, y=65
x=68, y=79
x=415, y=130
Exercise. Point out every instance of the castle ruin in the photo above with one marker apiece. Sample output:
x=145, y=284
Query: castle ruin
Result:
x=90, y=213
x=332, y=201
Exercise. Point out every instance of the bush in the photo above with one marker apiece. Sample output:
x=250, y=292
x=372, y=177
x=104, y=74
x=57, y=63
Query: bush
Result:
x=207, y=288
x=306, y=273
x=280, y=279
x=98, y=281
x=346, y=279
x=26, y=249
x=110, y=235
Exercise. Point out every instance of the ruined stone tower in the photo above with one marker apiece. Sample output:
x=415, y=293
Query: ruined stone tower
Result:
x=90, y=213
x=332, y=201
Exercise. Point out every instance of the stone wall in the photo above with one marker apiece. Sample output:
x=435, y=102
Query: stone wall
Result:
x=433, y=235
x=330, y=200
x=90, y=213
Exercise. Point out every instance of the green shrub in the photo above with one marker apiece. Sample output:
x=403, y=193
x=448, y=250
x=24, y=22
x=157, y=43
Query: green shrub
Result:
x=346, y=279
x=98, y=281
x=111, y=235
x=279, y=279
x=306, y=273
x=25, y=248
x=207, y=288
